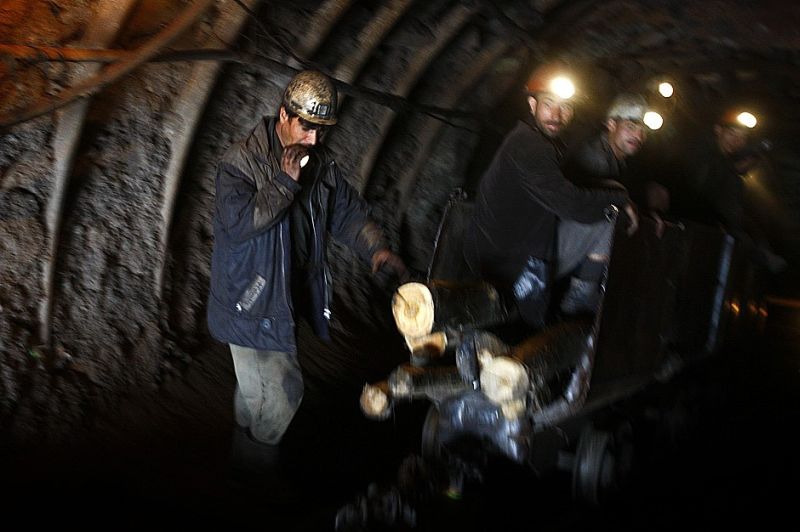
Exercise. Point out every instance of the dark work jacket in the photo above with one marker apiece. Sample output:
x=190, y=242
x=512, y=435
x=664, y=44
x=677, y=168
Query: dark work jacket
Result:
x=593, y=164
x=592, y=161
x=521, y=196
x=250, y=299
x=718, y=190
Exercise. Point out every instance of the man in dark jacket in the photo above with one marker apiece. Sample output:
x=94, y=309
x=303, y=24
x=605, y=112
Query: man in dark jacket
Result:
x=278, y=196
x=716, y=174
x=604, y=156
x=532, y=226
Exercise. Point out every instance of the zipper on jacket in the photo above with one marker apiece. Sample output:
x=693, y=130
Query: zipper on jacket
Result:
x=326, y=311
x=283, y=271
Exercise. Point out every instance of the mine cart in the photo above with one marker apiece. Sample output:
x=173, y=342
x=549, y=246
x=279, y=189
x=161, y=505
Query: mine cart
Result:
x=669, y=303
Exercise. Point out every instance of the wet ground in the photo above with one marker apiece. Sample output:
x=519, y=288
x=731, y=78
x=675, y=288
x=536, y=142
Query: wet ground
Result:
x=737, y=464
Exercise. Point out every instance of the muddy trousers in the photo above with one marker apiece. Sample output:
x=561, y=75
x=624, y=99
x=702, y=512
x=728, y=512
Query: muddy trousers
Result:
x=576, y=244
x=581, y=255
x=269, y=389
x=576, y=241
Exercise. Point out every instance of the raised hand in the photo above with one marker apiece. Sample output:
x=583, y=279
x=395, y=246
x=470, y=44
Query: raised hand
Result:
x=290, y=162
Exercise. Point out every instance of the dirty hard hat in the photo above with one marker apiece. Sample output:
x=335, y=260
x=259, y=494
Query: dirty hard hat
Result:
x=312, y=96
x=628, y=106
x=554, y=78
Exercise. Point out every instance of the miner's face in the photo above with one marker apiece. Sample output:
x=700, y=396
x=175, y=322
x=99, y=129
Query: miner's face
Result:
x=625, y=137
x=295, y=130
x=551, y=113
x=730, y=139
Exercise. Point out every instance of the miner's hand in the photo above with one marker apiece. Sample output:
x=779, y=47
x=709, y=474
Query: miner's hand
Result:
x=290, y=162
x=385, y=258
x=660, y=225
x=633, y=218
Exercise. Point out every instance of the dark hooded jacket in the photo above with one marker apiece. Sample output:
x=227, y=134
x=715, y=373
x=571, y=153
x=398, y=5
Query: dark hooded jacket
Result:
x=250, y=301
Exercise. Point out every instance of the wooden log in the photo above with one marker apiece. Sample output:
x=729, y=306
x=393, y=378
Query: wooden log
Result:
x=527, y=377
x=427, y=348
x=412, y=307
x=504, y=381
x=420, y=308
x=435, y=383
x=551, y=357
x=409, y=382
x=375, y=401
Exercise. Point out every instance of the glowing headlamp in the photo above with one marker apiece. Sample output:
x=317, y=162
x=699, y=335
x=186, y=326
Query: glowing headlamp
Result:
x=562, y=87
x=746, y=119
x=653, y=120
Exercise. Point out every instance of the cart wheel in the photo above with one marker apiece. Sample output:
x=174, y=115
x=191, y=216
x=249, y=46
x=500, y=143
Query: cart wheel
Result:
x=431, y=444
x=602, y=462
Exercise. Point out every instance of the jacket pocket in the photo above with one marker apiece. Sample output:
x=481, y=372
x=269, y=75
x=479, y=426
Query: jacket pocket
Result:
x=251, y=293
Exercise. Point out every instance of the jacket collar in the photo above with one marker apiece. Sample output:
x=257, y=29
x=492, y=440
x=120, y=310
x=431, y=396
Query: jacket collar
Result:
x=263, y=141
x=274, y=141
x=557, y=143
x=615, y=164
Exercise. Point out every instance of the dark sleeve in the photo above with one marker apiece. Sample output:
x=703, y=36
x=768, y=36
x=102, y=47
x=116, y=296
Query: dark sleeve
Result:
x=252, y=199
x=350, y=222
x=542, y=180
x=724, y=197
x=696, y=182
x=584, y=166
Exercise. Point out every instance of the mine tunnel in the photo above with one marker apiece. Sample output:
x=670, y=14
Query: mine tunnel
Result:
x=115, y=401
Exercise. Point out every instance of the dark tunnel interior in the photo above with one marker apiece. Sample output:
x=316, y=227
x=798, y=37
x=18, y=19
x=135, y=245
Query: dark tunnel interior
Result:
x=115, y=401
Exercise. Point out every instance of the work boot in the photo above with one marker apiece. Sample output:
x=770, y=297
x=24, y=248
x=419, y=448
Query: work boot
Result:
x=257, y=468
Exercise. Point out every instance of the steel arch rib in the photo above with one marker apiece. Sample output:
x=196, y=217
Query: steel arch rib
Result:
x=69, y=124
x=456, y=19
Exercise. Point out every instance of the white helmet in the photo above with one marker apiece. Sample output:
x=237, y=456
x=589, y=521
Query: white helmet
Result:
x=627, y=106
